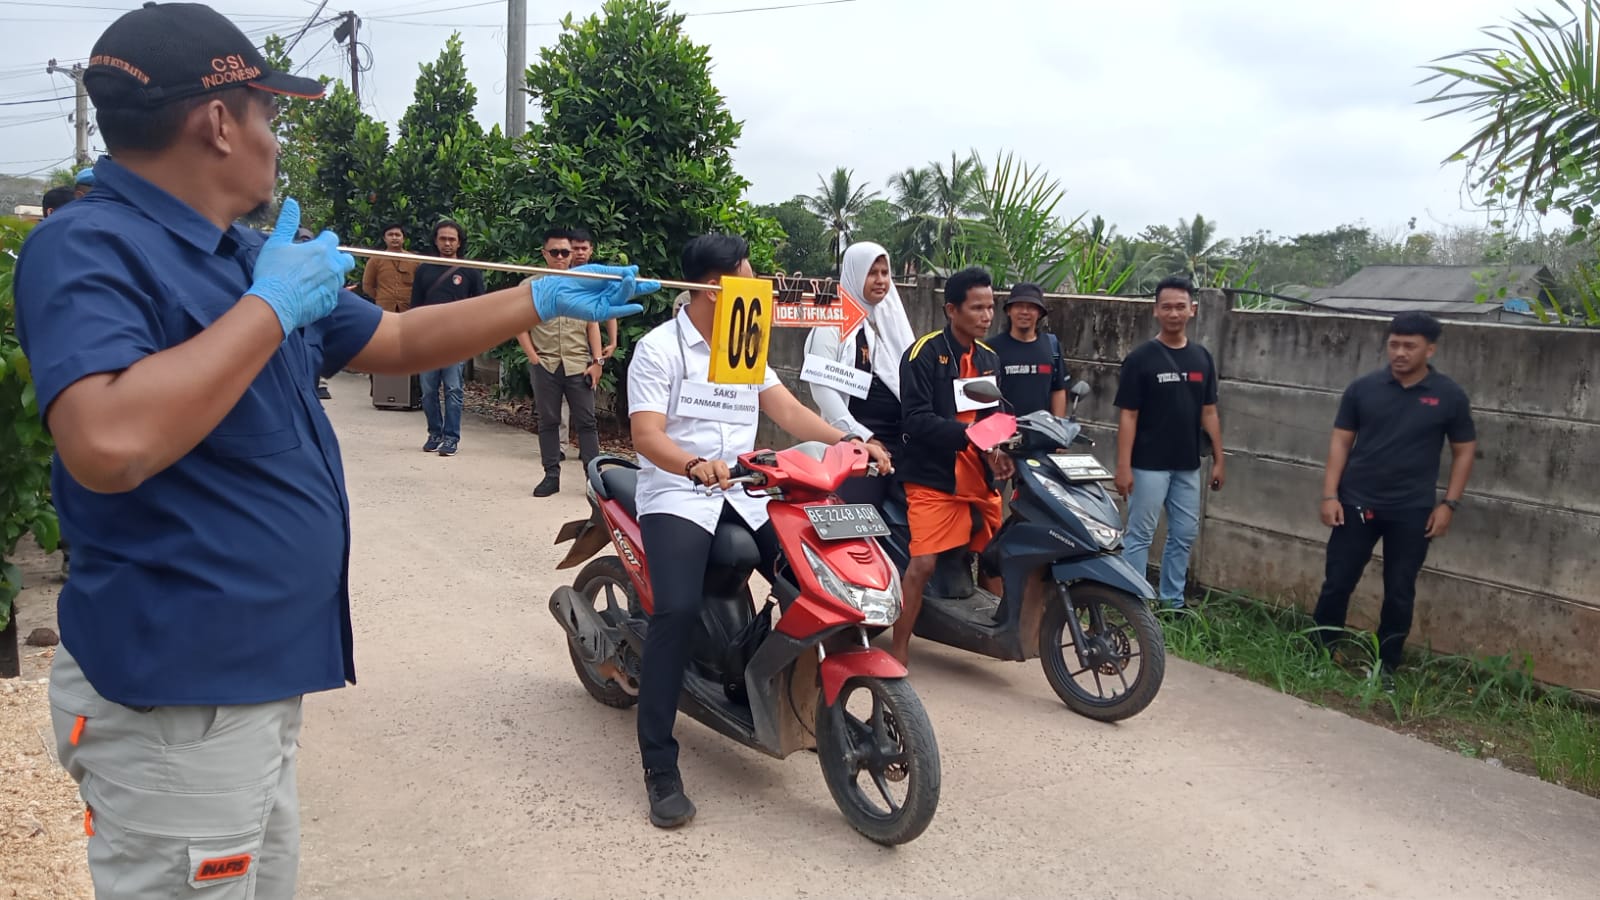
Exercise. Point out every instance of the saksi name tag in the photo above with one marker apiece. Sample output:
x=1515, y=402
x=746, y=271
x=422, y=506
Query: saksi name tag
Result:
x=728, y=404
x=834, y=374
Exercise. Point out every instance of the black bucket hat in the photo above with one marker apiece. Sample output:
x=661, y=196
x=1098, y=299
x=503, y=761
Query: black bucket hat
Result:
x=164, y=52
x=1027, y=292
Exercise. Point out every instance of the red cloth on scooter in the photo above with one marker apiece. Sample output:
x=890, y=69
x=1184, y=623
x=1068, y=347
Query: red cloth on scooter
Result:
x=941, y=521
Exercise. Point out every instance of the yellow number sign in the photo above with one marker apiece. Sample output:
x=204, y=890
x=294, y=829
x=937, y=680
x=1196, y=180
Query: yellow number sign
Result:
x=739, y=337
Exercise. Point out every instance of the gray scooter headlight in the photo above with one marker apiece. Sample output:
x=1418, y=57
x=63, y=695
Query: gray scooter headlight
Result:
x=880, y=607
x=1105, y=534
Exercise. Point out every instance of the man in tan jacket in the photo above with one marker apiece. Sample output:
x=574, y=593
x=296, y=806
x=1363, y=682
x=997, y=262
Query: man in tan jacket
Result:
x=387, y=282
x=563, y=365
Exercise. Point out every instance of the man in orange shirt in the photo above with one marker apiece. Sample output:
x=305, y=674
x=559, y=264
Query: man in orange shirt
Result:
x=948, y=478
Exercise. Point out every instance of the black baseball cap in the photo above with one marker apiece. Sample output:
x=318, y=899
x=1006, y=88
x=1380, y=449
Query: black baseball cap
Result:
x=164, y=52
x=1027, y=292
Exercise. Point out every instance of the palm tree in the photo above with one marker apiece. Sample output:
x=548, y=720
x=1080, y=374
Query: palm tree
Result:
x=1192, y=248
x=837, y=203
x=1532, y=96
x=955, y=192
x=918, y=227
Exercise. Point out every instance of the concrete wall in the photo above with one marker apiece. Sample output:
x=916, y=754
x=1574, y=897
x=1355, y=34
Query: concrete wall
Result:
x=1516, y=574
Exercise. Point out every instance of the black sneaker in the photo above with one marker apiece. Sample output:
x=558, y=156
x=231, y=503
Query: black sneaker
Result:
x=322, y=390
x=1386, y=680
x=669, y=806
x=432, y=443
x=550, y=485
x=447, y=448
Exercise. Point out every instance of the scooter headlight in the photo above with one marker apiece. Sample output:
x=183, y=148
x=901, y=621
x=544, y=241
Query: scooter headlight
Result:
x=1105, y=534
x=879, y=607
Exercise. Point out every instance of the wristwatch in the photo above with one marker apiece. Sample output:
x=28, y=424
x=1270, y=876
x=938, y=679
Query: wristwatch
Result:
x=853, y=437
x=1453, y=504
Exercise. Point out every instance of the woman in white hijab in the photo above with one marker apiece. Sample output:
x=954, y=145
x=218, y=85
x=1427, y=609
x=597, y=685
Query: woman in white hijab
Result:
x=873, y=348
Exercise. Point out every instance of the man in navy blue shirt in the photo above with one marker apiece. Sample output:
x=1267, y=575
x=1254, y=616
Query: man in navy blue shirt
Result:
x=175, y=355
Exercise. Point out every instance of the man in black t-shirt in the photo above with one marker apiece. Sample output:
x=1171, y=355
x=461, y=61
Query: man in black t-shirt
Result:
x=1031, y=376
x=1167, y=393
x=1383, y=468
x=436, y=283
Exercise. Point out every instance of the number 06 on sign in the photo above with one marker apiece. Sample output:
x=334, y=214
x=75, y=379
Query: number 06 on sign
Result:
x=742, y=331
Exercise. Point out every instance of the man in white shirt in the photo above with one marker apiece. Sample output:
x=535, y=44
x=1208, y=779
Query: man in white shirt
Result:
x=683, y=445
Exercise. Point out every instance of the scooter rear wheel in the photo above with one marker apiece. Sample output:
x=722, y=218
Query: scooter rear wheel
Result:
x=603, y=582
x=1124, y=635
x=877, y=731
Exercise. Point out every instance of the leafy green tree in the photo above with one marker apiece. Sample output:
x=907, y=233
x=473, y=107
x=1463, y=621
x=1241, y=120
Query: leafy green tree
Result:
x=837, y=202
x=297, y=145
x=634, y=144
x=25, y=446
x=352, y=172
x=804, y=247
x=439, y=142
x=878, y=222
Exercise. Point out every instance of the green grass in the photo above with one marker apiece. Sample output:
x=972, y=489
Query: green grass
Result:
x=1489, y=708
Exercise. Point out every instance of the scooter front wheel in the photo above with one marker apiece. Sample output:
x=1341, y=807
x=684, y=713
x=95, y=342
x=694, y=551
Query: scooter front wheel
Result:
x=879, y=758
x=1111, y=666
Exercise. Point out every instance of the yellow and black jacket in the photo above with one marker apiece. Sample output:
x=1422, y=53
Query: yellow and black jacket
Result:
x=934, y=437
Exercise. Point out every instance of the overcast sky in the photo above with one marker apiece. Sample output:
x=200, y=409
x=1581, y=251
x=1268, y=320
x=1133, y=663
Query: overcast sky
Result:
x=1287, y=117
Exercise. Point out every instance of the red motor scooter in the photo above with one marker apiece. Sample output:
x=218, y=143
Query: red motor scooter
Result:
x=811, y=680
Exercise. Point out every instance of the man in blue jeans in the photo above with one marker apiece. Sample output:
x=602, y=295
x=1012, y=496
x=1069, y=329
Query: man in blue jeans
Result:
x=1167, y=395
x=433, y=284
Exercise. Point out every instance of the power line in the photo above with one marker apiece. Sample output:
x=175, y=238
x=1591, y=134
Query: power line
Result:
x=25, y=102
x=33, y=172
x=119, y=9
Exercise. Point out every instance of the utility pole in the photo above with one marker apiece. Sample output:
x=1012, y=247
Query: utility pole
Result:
x=346, y=33
x=80, y=116
x=516, y=67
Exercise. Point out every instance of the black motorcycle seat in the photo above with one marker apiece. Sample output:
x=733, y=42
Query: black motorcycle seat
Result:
x=733, y=546
x=622, y=485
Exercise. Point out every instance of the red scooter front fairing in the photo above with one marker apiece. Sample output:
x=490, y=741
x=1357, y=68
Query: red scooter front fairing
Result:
x=812, y=679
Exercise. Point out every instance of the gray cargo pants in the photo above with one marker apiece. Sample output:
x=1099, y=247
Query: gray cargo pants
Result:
x=181, y=800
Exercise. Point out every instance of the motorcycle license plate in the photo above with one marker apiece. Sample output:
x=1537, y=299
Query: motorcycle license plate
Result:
x=838, y=522
x=1080, y=467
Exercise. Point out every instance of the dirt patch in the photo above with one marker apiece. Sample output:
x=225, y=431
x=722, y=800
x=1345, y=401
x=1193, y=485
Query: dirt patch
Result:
x=480, y=400
x=42, y=844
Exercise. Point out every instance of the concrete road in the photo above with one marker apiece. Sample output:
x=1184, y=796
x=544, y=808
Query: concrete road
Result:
x=469, y=763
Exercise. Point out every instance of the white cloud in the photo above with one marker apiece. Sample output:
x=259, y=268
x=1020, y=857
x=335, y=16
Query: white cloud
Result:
x=1262, y=115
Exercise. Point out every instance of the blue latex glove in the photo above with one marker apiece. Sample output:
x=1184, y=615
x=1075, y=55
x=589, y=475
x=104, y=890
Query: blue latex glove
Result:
x=591, y=299
x=300, y=282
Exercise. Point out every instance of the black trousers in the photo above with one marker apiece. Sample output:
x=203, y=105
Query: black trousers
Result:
x=549, y=389
x=1350, y=548
x=677, y=550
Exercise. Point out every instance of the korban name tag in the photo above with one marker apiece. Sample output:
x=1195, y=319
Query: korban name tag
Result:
x=728, y=404
x=967, y=404
x=834, y=374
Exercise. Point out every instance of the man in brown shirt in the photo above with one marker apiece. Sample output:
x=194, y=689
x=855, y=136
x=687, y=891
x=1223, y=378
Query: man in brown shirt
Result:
x=563, y=364
x=387, y=282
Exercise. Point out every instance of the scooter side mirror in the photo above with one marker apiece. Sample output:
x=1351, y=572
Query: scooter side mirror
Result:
x=981, y=391
x=1081, y=389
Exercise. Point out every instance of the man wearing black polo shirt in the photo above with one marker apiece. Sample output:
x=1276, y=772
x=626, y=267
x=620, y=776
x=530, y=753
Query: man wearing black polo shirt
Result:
x=1383, y=468
x=1031, y=373
x=175, y=354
